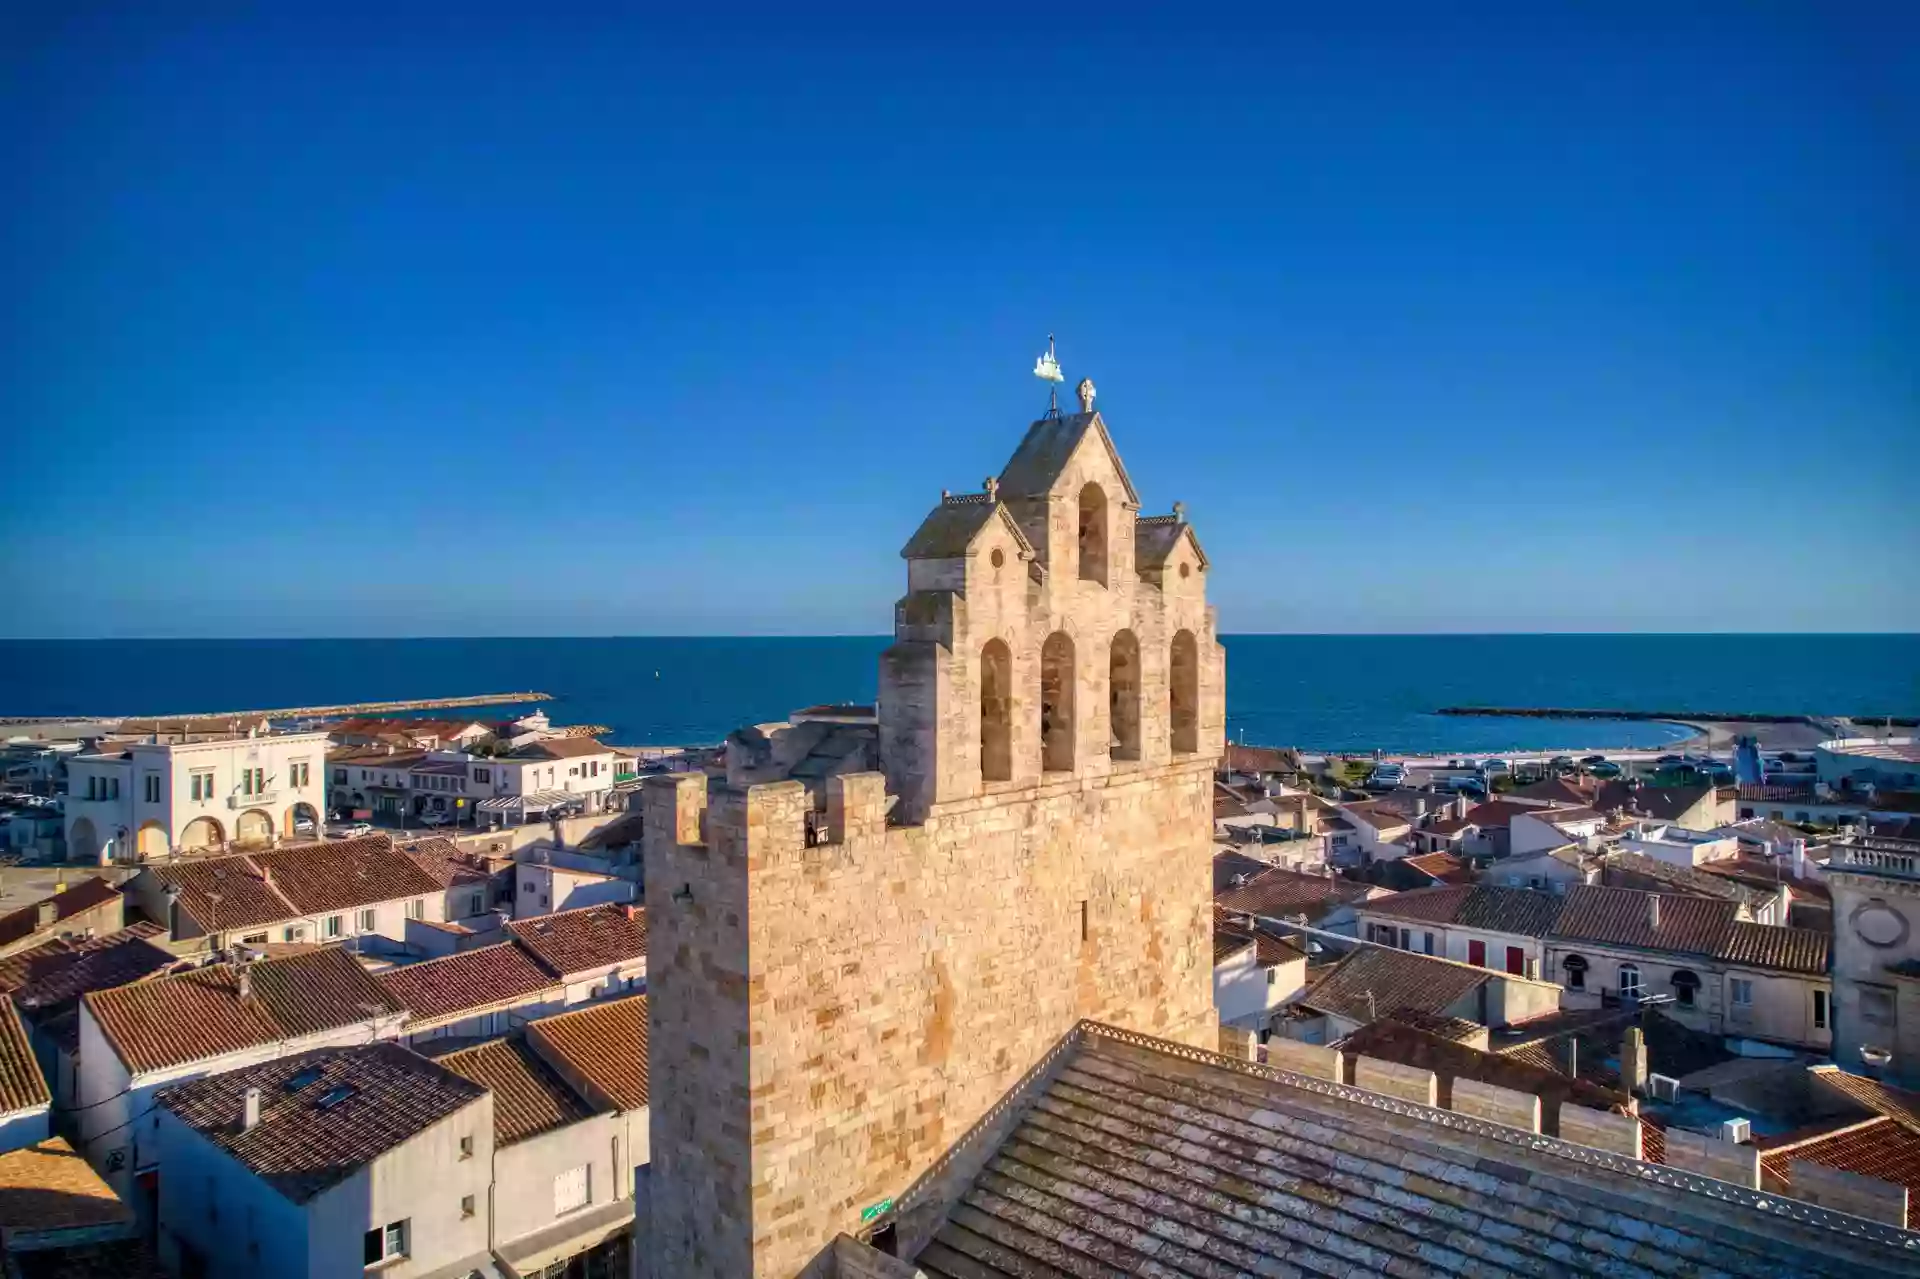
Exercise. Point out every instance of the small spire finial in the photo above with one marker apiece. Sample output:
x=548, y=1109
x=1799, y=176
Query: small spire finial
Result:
x=992, y=486
x=1085, y=392
x=1180, y=512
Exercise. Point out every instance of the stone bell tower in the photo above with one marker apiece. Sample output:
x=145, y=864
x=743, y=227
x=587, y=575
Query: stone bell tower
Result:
x=831, y=1009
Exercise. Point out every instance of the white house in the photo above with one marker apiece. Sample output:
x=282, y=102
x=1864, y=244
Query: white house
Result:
x=1678, y=846
x=1477, y=924
x=147, y=799
x=542, y=888
x=1536, y=830
x=1255, y=972
x=339, y=890
x=1381, y=833
x=165, y=1030
x=490, y=990
x=570, y=1134
x=541, y=775
x=403, y=1187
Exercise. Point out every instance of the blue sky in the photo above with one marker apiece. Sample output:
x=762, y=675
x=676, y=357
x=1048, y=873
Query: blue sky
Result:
x=451, y=320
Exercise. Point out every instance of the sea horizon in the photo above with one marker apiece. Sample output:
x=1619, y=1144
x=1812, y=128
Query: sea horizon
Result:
x=1318, y=691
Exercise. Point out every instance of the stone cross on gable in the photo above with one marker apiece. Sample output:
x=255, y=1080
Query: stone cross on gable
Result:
x=993, y=489
x=1085, y=392
x=1179, y=512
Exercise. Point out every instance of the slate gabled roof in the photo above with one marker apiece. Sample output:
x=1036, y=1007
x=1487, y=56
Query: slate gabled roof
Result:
x=950, y=528
x=1156, y=536
x=304, y=1144
x=1047, y=448
x=1142, y=1158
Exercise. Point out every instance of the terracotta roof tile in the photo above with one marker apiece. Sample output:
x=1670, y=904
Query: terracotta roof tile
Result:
x=1228, y=942
x=49, y=975
x=1622, y=869
x=83, y=896
x=1280, y=893
x=1664, y=802
x=1229, y=866
x=343, y=874
x=22, y=1086
x=47, y=1186
x=1376, y=814
x=1260, y=759
x=573, y=941
x=529, y=1097
x=1393, y=1040
x=1373, y=983
x=561, y=748
x=1794, y=950
x=222, y=893
x=1444, y=867
x=462, y=983
x=324, y=1114
x=1501, y=812
x=1879, y=1148
x=1482, y=906
x=1622, y=917
x=1884, y=1099
x=601, y=1048
x=447, y=862
x=197, y=1015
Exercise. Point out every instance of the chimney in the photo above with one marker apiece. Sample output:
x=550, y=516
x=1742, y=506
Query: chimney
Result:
x=633, y=911
x=1419, y=808
x=1566, y=1051
x=1799, y=858
x=250, y=1112
x=244, y=981
x=1653, y=911
x=1633, y=1059
x=47, y=914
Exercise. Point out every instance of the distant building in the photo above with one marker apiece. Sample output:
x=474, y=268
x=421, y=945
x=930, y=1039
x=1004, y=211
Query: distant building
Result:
x=473, y=994
x=1256, y=971
x=24, y=1097
x=597, y=951
x=143, y=800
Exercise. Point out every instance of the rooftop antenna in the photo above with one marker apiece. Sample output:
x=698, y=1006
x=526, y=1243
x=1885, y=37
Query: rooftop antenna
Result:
x=1047, y=369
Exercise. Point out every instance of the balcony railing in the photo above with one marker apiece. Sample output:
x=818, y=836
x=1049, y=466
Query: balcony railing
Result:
x=255, y=800
x=1881, y=856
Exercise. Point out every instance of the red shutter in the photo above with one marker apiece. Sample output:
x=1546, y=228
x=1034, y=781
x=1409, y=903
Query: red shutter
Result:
x=1516, y=960
x=1477, y=953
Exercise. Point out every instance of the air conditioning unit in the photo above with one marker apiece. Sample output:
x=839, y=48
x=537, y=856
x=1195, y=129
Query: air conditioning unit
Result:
x=1736, y=1131
x=1663, y=1088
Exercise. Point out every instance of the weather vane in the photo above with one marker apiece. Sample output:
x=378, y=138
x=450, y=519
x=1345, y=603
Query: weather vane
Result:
x=1047, y=369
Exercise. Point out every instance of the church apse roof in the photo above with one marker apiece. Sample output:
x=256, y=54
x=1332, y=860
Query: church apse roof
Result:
x=1043, y=455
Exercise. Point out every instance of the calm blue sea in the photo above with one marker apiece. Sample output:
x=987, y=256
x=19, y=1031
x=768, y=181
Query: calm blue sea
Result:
x=1334, y=692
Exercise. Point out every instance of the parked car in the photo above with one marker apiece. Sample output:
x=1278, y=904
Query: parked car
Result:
x=351, y=830
x=1591, y=760
x=1668, y=761
x=1496, y=766
x=431, y=818
x=1605, y=768
x=1560, y=761
x=303, y=826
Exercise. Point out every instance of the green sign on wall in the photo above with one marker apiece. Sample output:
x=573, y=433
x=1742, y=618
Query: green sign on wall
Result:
x=869, y=1213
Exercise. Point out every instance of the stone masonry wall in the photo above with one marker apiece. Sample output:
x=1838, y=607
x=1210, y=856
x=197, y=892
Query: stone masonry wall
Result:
x=849, y=1010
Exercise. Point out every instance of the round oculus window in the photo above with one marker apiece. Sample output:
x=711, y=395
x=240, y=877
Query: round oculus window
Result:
x=1877, y=924
x=998, y=557
x=1186, y=570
